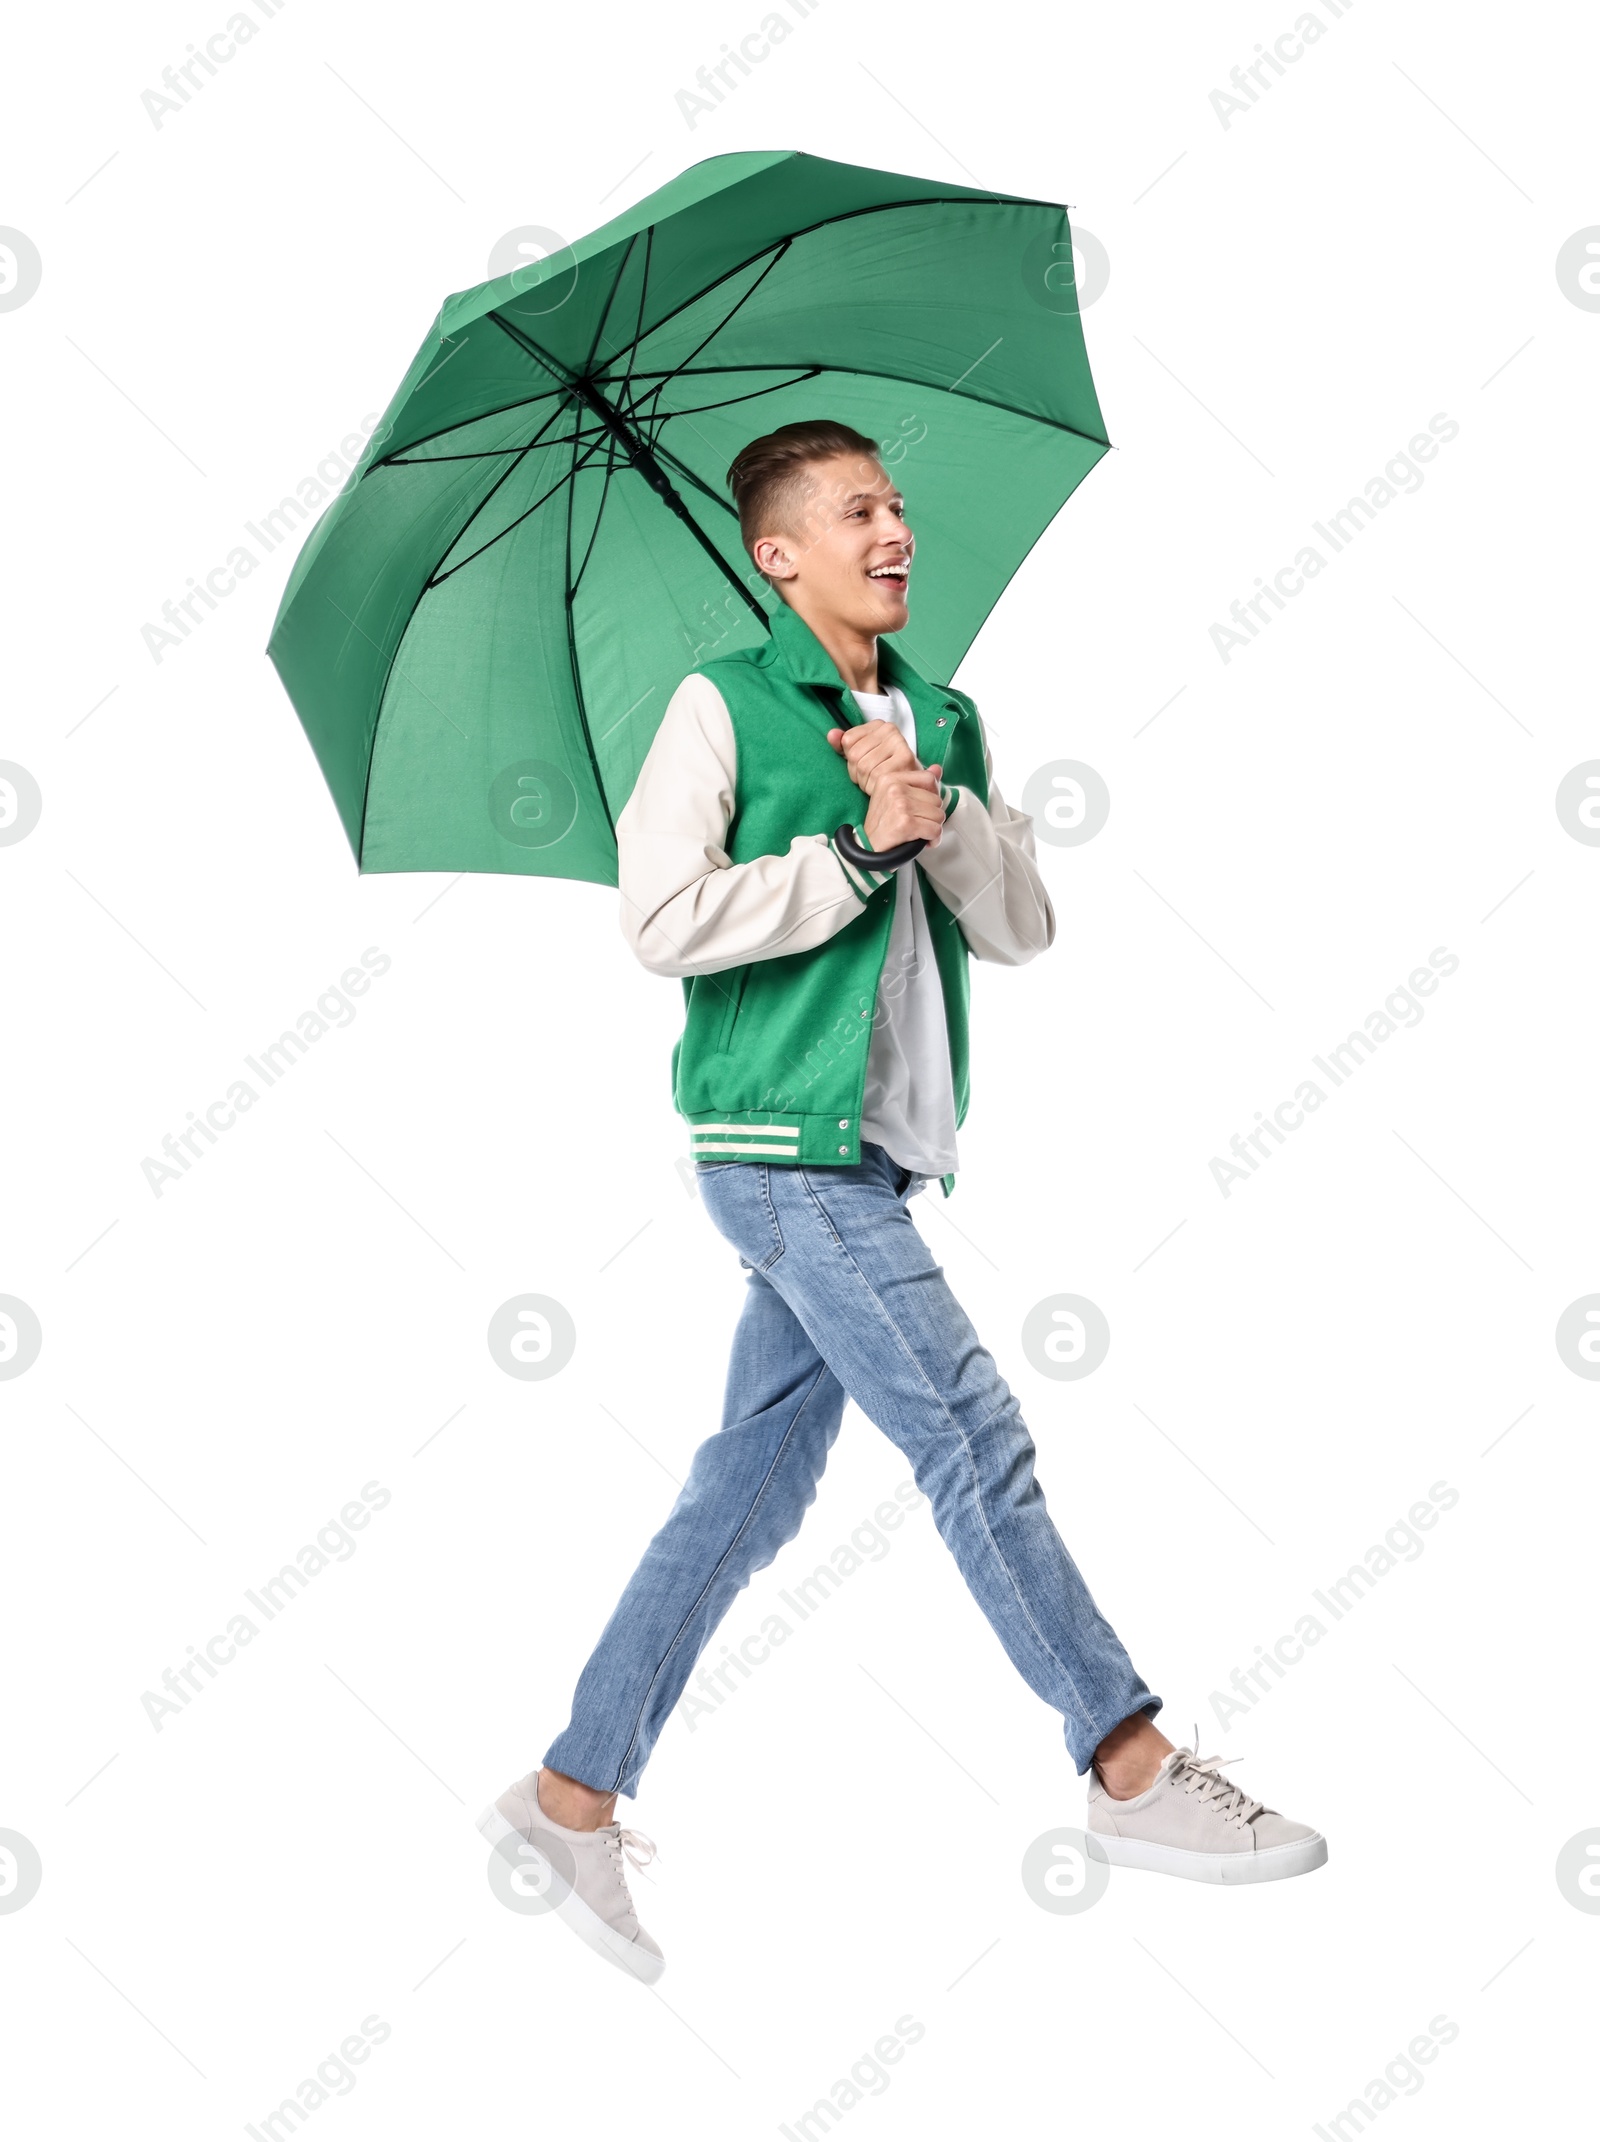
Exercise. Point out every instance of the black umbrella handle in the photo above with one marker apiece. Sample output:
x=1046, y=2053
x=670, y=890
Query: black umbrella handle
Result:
x=874, y=858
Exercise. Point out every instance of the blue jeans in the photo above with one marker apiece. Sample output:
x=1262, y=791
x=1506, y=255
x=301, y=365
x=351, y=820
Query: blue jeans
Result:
x=844, y=1299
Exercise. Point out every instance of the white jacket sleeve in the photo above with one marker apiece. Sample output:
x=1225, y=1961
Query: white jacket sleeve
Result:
x=984, y=871
x=686, y=906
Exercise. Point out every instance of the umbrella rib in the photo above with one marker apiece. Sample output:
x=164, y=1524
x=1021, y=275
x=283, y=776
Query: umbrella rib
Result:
x=504, y=478
x=865, y=371
x=665, y=416
x=483, y=503
x=444, y=431
x=638, y=319
x=561, y=482
x=557, y=370
x=616, y=285
x=599, y=515
x=525, y=342
x=778, y=253
x=644, y=285
x=700, y=371
x=490, y=453
x=572, y=654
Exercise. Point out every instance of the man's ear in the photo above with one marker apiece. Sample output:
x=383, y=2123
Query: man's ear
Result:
x=771, y=558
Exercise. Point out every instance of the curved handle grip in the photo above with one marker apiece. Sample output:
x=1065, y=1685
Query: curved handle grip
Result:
x=874, y=858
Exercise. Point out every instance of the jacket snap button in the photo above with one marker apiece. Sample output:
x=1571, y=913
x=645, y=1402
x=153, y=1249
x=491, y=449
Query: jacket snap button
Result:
x=844, y=1149
x=939, y=724
x=844, y=1123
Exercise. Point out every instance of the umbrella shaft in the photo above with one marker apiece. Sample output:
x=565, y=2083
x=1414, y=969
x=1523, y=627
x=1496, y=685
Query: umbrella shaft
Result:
x=632, y=445
x=641, y=458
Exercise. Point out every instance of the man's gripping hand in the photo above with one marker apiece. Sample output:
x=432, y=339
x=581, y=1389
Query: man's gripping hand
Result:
x=872, y=749
x=903, y=795
x=906, y=806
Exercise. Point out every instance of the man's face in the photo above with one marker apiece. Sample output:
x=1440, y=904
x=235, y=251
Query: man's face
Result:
x=849, y=555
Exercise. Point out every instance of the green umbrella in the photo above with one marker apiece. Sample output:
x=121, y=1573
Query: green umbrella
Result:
x=483, y=630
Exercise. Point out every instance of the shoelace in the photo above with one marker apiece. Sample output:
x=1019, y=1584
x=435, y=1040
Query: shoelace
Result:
x=1203, y=1774
x=634, y=1843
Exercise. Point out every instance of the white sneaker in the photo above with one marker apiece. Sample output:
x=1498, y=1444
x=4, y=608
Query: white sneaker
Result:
x=580, y=1874
x=1197, y=1824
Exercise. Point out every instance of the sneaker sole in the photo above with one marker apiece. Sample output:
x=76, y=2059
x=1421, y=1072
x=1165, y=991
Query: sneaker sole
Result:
x=586, y=1923
x=1275, y=1864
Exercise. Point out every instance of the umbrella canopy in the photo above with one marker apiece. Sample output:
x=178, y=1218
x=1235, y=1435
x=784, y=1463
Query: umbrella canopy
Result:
x=483, y=630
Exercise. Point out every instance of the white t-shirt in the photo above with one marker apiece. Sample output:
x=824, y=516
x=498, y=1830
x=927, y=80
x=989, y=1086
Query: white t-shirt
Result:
x=909, y=1105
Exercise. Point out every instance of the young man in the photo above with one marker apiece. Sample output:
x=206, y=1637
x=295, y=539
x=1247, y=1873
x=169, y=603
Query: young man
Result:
x=823, y=1073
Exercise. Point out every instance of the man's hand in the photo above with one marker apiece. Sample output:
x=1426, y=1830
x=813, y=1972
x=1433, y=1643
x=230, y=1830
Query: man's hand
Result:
x=906, y=806
x=871, y=750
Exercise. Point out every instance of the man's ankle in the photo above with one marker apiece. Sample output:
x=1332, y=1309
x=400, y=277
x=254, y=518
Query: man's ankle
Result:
x=1120, y=1786
x=575, y=1806
x=1129, y=1757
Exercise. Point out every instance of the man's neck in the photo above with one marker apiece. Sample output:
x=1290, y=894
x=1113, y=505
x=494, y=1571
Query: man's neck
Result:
x=854, y=652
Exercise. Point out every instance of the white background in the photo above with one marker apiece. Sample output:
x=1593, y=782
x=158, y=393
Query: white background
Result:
x=1291, y=298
